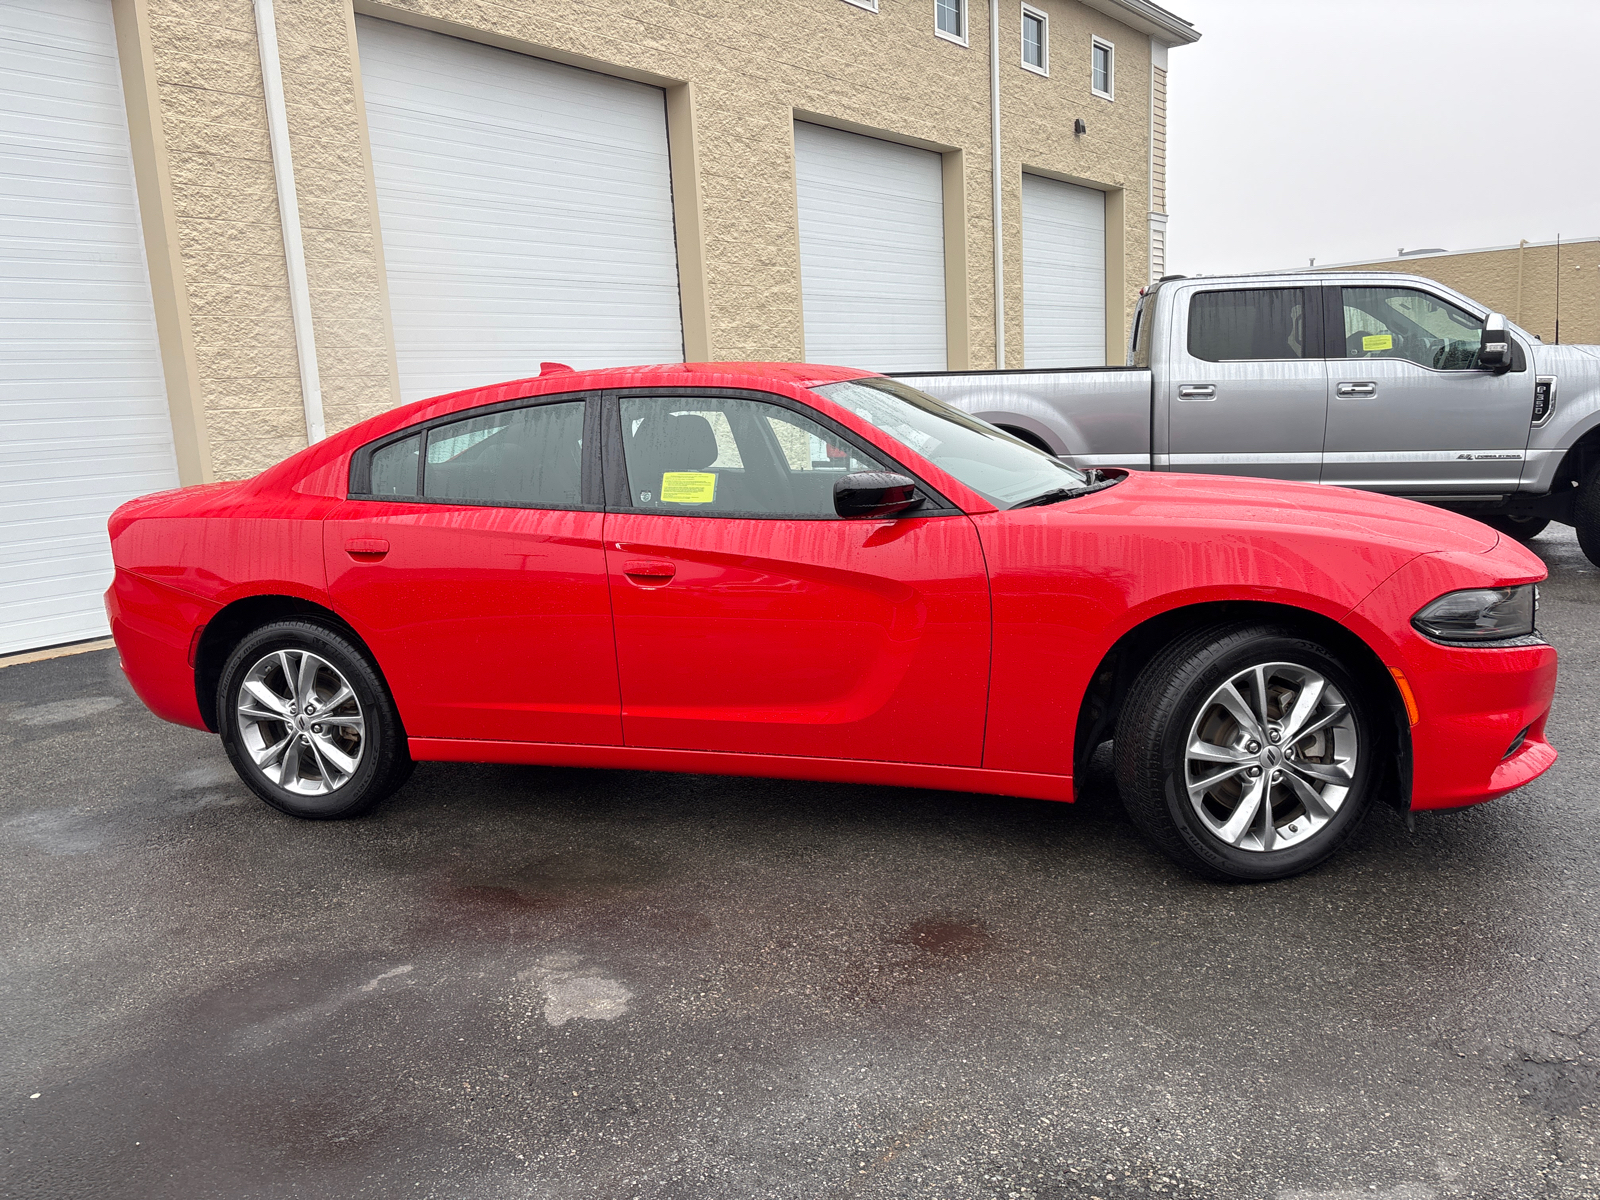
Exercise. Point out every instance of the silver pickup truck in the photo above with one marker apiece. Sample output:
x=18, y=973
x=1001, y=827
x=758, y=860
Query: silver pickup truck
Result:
x=1388, y=382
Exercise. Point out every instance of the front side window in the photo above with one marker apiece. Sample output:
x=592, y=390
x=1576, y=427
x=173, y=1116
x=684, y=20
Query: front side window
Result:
x=1002, y=469
x=704, y=456
x=1249, y=324
x=1102, y=68
x=1035, y=40
x=950, y=19
x=1390, y=322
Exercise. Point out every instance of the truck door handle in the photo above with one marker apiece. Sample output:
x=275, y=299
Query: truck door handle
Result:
x=366, y=549
x=1198, y=391
x=653, y=573
x=1357, y=389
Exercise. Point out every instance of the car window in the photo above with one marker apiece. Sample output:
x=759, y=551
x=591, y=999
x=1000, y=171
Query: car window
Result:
x=702, y=456
x=1388, y=322
x=1002, y=469
x=393, y=470
x=530, y=457
x=1248, y=324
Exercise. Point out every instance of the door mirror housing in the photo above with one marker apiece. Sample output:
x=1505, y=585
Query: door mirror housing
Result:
x=1495, y=349
x=876, y=494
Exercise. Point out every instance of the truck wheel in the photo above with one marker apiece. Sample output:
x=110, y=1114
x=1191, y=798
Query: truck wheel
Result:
x=1586, y=517
x=308, y=723
x=1521, y=528
x=1245, y=752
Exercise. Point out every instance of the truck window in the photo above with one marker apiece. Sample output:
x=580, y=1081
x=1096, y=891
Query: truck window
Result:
x=1390, y=322
x=1247, y=324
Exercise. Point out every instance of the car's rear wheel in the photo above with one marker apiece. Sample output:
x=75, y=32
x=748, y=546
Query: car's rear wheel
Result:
x=308, y=723
x=1521, y=528
x=1245, y=752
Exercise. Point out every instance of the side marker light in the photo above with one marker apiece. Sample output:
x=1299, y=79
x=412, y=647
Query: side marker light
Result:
x=1405, y=694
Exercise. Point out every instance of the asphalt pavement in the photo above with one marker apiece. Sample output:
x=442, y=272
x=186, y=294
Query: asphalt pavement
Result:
x=520, y=982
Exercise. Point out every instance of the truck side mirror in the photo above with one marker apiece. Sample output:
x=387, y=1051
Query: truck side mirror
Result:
x=875, y=494
x=1494, y=350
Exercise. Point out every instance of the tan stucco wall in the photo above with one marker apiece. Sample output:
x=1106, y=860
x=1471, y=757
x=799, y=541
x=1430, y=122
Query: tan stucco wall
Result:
x=1521, y=283
x=751, y=67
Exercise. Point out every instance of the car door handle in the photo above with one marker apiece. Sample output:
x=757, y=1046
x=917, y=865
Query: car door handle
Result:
x=366, y=549
x=1198, y=391
x=649, y=573
x=1362, y=390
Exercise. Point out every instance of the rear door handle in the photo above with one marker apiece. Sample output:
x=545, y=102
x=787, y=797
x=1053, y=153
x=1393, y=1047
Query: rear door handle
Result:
x=1198, y=391
x=366, y=549
x=649, y=573
x=1357, y=389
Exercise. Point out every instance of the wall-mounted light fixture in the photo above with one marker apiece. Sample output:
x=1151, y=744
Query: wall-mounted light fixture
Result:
x=1079, y=128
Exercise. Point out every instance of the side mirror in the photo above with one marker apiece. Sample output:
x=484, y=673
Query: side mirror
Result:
x=1494, y=350
x=875, y=494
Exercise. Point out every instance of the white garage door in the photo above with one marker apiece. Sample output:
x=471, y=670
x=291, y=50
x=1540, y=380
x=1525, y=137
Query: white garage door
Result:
x=83, y=410
x=871, y=251
x=526, y=210
x=1063, y=274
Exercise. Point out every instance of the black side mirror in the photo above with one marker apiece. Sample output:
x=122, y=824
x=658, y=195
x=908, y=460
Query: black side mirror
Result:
x=1494, y=350
x=875, y=494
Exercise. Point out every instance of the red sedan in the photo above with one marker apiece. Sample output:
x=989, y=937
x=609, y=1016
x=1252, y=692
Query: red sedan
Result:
x=817, y=573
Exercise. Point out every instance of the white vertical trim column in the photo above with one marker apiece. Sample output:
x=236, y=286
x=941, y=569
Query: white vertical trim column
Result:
x=997, y=198
x=289, y=211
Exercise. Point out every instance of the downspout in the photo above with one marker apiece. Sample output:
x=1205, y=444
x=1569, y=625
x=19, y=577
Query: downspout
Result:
x=294, y=251
x=994, y=174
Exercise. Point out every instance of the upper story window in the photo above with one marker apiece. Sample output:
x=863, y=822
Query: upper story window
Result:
x=950, y=19
x=1102, y=68
x=1035, y=40
x=869, y=5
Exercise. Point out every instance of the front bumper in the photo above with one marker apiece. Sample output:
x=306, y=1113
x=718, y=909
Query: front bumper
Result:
x=1481, y=710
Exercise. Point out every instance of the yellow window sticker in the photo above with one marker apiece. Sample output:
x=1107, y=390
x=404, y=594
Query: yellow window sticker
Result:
x=688, y=487
x=1377, y=341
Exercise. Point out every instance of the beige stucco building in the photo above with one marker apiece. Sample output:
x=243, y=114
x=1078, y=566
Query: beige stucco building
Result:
x=1531, y=283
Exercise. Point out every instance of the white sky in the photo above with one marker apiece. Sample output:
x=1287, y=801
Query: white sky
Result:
x=1346, y=129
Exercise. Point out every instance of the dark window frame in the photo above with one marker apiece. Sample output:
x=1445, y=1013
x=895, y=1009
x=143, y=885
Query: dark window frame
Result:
x=1312, y=322
x=589, y=482
x=614, y=466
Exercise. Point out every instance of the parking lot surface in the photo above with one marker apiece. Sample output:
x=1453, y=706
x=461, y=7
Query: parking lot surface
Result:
x=523, y=982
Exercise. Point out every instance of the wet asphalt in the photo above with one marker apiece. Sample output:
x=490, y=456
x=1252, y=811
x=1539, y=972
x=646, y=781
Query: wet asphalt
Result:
x=521, y=982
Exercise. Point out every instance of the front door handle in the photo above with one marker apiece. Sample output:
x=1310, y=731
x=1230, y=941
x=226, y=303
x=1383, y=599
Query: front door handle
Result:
x=1198, y=391
x=651, y=573
x=1362, y=390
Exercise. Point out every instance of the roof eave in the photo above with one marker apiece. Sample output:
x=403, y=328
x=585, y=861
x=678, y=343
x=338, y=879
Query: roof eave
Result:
x=1149, y=18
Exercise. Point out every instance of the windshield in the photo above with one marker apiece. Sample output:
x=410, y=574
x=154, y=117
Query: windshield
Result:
x=1002, y=469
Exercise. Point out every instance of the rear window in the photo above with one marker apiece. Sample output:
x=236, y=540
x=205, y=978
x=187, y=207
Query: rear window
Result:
x=1248, y=324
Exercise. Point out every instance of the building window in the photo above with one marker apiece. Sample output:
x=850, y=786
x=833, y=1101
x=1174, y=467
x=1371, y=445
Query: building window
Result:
x=1102, y=68
x=869, y=5
x=950, y=19
x=1035, y=40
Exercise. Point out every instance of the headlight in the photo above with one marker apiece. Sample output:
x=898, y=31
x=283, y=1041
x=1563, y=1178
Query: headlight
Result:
x=1479, y=615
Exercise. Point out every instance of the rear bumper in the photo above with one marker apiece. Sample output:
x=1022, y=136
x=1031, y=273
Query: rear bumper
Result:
x=154, y=626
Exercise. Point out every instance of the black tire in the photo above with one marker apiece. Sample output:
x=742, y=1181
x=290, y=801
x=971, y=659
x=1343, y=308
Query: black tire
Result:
x=1171, y=696
x=383, y=762
x=1586, y=517
x=1521, y=528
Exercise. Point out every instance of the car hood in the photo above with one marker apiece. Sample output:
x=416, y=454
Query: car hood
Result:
x=1290, y=509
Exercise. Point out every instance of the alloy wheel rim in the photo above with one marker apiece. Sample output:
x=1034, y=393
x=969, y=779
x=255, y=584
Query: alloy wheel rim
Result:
x=300, y=722
x=1271, y=757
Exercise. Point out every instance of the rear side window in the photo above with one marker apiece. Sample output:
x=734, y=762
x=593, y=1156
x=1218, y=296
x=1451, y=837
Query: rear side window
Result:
x=523, y=457
x=1248, y=325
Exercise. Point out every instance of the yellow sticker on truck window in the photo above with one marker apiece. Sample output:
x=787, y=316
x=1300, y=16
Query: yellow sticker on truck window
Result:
x=1377, y=341
x=688, y=487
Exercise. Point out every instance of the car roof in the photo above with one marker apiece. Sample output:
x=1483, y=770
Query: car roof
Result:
x=560, y=377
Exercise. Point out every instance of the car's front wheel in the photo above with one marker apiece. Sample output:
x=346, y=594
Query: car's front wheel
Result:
x=308, y=723
x=1245, y=752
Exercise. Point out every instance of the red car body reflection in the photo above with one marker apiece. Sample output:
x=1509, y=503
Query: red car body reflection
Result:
x=959, y=650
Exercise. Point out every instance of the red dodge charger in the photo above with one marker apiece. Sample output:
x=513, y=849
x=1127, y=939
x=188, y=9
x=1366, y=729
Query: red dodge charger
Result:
x=818, y=573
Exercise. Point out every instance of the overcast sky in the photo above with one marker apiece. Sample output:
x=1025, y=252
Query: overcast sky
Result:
x=1346, y=129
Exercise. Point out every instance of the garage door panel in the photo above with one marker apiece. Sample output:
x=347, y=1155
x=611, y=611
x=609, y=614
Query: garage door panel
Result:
x=526, y=209
x=83, y=413
x=871, y=218
x=1063, y=274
